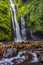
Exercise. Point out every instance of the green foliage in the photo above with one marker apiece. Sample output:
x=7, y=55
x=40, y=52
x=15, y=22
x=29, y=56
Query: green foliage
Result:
x=5, y=24
x=32, y=10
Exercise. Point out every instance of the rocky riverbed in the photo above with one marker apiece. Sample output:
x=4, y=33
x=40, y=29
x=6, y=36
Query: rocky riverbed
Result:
x=21, y=53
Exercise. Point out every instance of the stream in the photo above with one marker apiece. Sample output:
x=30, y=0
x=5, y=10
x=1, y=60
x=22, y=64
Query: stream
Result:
x=19, y=58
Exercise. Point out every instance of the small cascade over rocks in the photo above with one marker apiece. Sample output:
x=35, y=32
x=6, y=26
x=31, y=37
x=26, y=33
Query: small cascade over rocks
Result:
x=15, y=25
x=23, y=27
x=31, y=34
x=19, y=58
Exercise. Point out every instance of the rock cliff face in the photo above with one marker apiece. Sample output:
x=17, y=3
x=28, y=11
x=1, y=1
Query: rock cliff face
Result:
x=38, y=35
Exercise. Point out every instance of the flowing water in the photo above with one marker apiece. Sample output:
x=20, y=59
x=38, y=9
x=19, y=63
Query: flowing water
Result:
x=14, y=20
x=32, y=36
x=21, y=58
x=23, y=28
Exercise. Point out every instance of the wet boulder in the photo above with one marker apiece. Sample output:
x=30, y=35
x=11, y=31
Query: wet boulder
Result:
x=2, y=48
x=28, y=56
x=1, y=53
x=20, y=46
x=40, y=49
x=40, y=56
x=10, y=52
x=18, y=61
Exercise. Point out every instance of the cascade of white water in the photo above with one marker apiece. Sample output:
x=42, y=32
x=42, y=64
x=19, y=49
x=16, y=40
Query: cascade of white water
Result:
x=23, y=29
x=13, y=26
x=13, y=11
x=31, y=33
x=19, y=56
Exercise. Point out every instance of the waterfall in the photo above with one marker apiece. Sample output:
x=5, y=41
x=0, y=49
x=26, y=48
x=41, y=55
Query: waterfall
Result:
x=14, y=20
x=23, y=29
x=31, y=33
x=13, y=24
